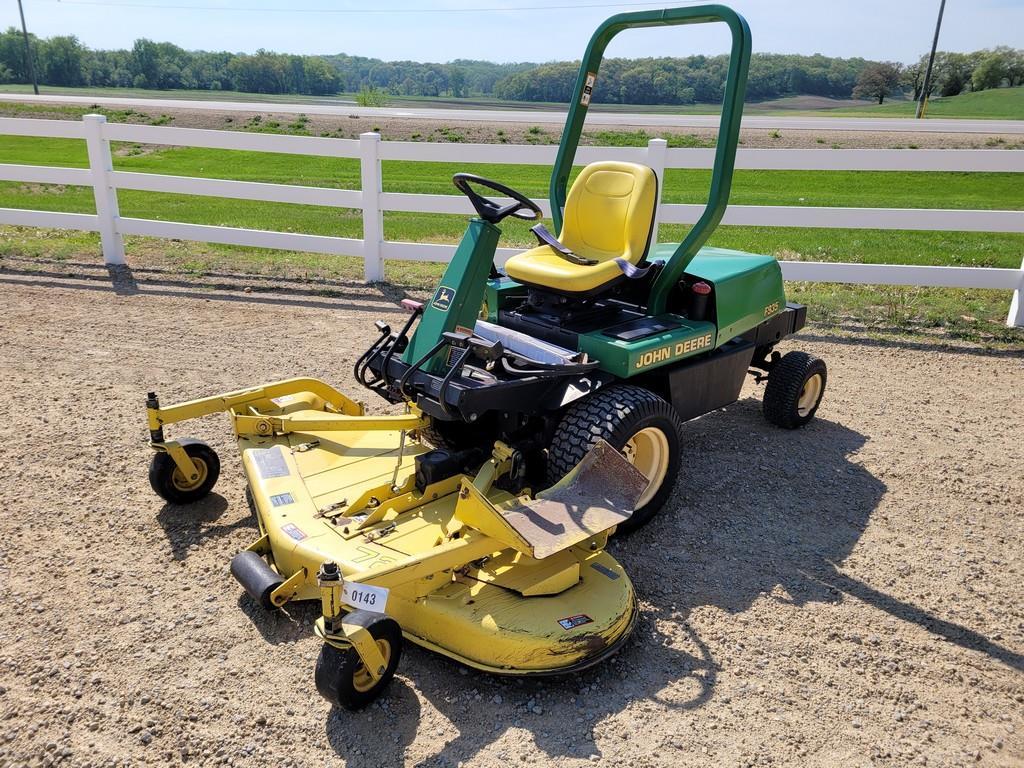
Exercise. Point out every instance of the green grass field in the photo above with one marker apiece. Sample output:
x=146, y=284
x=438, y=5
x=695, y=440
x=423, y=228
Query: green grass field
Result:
x=976, y=312
x=997, y=104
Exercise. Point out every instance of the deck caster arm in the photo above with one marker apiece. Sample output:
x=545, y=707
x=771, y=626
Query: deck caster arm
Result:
x=342, y=629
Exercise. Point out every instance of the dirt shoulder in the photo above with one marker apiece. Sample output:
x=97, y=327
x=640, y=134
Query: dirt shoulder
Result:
x=850, y=594
x=399, y=129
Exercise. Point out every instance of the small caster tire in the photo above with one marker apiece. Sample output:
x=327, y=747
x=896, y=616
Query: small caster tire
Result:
x=340, y=675
x=170, y=484
x=796, y=384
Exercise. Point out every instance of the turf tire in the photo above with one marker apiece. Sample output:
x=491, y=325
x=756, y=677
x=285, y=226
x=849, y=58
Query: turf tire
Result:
x=781, y=403
x=616, y=414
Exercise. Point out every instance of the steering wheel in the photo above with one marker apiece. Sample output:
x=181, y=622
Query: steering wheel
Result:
x=521, y=206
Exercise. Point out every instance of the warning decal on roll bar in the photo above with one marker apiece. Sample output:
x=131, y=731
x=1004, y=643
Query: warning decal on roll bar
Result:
x=588, y=88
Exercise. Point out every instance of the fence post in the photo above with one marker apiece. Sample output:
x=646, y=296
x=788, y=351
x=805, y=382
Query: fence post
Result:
x=373, y=220
x=1016, y=317
x=657, y=156
x=101, y=165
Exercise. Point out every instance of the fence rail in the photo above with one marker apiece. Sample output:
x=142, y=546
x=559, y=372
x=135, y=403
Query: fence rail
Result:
x=370, y=151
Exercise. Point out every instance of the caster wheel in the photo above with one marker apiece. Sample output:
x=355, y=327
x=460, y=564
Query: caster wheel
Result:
x=170, y=483
x=633, y=420
x=795, y=387
x=342, y=678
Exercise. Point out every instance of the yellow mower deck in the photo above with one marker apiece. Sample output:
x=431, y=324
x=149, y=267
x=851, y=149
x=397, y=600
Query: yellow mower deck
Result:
x=503, y=583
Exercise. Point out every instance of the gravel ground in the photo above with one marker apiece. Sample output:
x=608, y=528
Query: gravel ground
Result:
x=850, y=594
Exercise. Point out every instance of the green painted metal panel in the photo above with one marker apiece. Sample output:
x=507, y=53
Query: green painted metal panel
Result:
x=588, y=80
x=625, y=359
x=457, y=300
x=500, y=293
x=748, y=286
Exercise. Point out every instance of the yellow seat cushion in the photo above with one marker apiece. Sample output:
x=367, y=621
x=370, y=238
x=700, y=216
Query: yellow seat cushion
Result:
x=608, y=216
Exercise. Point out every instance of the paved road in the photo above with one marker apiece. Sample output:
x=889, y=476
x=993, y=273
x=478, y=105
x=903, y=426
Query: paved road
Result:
x=552, y=117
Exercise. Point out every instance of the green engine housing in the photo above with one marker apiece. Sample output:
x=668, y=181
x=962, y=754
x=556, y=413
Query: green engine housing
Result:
x=747, y=287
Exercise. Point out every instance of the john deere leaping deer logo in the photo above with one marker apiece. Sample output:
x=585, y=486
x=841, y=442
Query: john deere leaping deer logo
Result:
x=443, y=298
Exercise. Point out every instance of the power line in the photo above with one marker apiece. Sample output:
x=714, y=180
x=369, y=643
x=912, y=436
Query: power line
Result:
x=353, y=11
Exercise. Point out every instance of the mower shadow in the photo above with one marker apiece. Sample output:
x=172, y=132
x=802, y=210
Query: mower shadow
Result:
x=482, y=708
x=758, y=512
x=190, y=525
x=379, y=735
x=290, y=624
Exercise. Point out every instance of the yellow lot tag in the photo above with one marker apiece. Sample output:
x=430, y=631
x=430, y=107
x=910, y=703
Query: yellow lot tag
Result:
x=365, y=596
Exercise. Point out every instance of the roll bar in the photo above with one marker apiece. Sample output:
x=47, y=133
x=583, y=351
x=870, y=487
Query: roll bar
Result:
x=728, y=129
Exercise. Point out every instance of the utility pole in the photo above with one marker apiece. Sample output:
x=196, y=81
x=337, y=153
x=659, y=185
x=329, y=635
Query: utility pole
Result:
x=931, y=61
x=28, y=52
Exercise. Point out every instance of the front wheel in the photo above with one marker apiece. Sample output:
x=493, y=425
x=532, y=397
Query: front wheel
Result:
x=342, y=678
x=172, y=485
x=796, y=384
x=633, y=420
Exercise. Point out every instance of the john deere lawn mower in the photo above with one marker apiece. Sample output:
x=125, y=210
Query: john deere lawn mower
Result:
x=542, y=412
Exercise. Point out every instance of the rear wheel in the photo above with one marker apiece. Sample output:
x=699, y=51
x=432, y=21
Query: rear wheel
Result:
x=343, y=679
x=795, y=387
x=633, y=420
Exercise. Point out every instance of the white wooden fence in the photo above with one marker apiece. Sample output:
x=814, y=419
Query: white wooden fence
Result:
x=373, y=201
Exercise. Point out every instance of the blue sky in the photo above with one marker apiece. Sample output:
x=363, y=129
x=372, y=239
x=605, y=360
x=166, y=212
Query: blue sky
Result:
x=878, y=29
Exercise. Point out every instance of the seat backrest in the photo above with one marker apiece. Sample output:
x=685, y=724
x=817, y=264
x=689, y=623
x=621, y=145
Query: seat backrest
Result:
x=610, y=210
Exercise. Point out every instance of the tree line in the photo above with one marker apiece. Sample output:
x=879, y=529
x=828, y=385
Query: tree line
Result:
x=687, y=80
x=64, y=61
x=952, y=74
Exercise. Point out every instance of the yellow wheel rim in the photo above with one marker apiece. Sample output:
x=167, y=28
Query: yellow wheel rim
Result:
x=361, y=678
x=809, y=395
x=182, y=483
x=648, y=451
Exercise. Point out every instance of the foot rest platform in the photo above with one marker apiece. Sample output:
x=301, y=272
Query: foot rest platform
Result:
x=598, y=493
